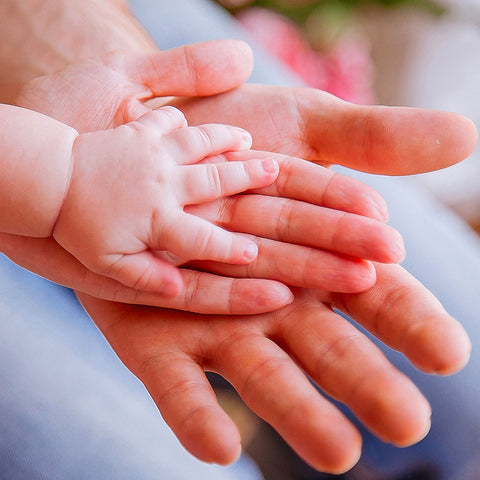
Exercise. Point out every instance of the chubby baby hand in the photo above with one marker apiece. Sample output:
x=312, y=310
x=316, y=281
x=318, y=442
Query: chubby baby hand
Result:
x=128, y=190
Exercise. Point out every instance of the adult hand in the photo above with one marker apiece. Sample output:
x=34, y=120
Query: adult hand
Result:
x=308, y=330
x=122, y=81
x=317, y=126
x=264, y=358
x=103, y=93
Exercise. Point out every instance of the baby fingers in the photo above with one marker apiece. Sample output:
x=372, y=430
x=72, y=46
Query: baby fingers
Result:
x=193, y=238
x=192, y=144
x=207, y=182
x=164, y=120
x=146, y=272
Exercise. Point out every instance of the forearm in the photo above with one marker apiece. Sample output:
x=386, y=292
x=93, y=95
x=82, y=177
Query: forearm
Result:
x=36, y=165
x=38, y=37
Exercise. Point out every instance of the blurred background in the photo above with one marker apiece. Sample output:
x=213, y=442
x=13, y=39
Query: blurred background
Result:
x=419, y=53
x=422, y=53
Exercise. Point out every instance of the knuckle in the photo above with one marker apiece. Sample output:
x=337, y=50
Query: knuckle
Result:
x=202, y=242
x=172, y=112
x=214, y=180
x=203, y=137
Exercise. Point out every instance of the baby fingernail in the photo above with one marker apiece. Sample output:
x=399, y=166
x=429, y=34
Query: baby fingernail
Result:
x=246, y=139
x=269, y=165
x=250, y=252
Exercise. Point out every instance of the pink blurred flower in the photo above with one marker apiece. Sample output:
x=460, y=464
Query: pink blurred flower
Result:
x=346, y=70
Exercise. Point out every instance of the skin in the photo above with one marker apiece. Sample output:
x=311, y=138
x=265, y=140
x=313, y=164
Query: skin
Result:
x=264, y=356
x=129, y=201
x=339, y=208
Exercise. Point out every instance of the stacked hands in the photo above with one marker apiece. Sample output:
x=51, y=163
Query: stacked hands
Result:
x=131, y=202
x=135, y=210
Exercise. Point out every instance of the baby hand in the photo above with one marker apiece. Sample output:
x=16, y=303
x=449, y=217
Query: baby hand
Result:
x=128, y=190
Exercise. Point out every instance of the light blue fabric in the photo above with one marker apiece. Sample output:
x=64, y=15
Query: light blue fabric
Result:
x=68, y=408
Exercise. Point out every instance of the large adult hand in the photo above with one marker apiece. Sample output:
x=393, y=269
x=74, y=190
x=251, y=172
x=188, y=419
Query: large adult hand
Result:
x=264, y=358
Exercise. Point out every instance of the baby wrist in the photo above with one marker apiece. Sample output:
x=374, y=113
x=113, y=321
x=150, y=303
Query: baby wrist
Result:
x=36, y=170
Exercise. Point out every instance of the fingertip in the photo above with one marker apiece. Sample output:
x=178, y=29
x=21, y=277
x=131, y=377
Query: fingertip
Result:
x=284, y=295
x=243, y=59
x=172, y=287
x=271, y=296
x=214, y=438
x=414, y=427
x=377, y=207
x=227, y=63
x=452, y=352
x=391, y=248
x=169, y=282
x=230, y=456
x=467, y=136
x=448, y=138
x=361, y=277
x=344, y=452
x=250, y=252
x=271, y=167
x=397, y=247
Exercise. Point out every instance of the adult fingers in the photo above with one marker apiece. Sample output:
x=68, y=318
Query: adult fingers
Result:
x=188, y=404
x=302, y=223
x=391, y=141
x=156, y=346
x=200, y=69
x=212, y=294
x=330, y=348
x=301, y=266
x=302, y=180
x=274, y=387
x=202, y=292
x=402, y=313
x=209, y=181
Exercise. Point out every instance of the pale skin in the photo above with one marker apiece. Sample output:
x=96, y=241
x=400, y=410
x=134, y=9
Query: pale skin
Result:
x=263, y=356
x=116, y=198
x=111, y=198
